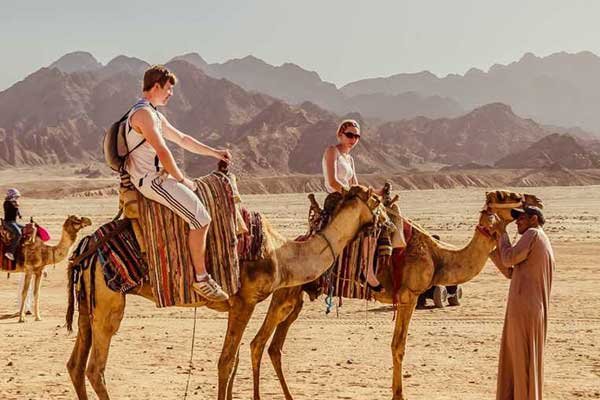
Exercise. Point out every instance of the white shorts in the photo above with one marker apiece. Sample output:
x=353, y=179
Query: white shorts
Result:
x=176, y=196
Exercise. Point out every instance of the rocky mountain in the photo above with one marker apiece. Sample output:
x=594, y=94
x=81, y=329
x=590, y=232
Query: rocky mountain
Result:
x=553, y=151
x=560, y=89
x=77, y=61
x=484, y=135
x=55, y=117
x=294, y=85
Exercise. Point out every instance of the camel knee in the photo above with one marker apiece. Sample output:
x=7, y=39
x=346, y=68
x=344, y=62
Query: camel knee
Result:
x=274, y=352
x=95, y=375
x=257, y=346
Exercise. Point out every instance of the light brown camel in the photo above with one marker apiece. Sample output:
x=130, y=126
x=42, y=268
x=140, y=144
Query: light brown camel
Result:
x=428, y=262
x=37, y=255
x=288, y=263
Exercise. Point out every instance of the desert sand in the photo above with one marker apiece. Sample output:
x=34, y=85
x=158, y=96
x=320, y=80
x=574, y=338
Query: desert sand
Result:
x=451, y=353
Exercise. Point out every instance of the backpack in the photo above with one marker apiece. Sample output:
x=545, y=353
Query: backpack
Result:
x=115, y=144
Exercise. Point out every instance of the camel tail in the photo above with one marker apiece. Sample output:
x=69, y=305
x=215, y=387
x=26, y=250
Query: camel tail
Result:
x=71, y=297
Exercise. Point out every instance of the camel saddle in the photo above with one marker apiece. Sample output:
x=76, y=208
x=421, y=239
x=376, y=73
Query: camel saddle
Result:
x=162, y=238
x=6, y=237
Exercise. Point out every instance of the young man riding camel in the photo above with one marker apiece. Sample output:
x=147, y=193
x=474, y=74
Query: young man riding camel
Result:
x=155, y=174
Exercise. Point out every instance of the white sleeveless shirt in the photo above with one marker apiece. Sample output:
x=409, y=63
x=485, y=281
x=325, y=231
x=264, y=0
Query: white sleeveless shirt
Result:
x=143, y=160
x=343, y=169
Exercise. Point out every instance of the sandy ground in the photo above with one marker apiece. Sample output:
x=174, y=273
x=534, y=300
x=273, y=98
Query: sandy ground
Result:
x=451, y=354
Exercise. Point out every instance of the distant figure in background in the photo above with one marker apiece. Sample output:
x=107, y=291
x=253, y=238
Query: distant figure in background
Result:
x=440, y=294
x=11, y=213
x=529, y=265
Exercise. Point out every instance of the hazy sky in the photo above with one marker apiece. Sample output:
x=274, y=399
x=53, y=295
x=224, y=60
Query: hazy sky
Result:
x=341, y=40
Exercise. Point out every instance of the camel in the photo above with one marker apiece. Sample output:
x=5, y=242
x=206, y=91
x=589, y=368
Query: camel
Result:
x=428, y=262
x=37, y=255
x=286, y=264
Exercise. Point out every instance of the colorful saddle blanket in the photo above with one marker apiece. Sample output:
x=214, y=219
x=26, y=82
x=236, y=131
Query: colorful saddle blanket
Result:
x=119, y=255
x=168, y=257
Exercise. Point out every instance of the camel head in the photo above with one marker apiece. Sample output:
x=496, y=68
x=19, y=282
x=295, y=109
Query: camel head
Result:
x=500, y=202
x=488, y=223
x=73, y=224
x=358, y=198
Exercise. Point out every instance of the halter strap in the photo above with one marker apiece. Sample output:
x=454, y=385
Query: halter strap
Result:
x=322, y=235
x=484, y=231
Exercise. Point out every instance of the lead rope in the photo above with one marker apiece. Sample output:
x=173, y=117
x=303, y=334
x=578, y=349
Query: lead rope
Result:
x=191, y=362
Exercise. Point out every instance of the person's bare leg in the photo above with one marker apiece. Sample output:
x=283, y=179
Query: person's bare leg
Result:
x=204, y=285
x=197, y=245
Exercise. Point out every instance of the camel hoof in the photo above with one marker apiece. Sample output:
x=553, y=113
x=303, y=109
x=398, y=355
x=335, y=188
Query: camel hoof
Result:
x=38, y=318
x=21, y=319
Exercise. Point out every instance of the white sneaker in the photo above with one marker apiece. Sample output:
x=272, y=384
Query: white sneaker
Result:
x=10, y=256
x=210, y=290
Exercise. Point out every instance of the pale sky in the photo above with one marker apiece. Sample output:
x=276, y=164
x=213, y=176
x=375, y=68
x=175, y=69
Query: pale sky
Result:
x=342, y=40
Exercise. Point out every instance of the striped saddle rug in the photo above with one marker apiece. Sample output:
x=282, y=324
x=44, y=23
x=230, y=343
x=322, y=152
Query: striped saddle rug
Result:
x=168, y=257
x=252, y=243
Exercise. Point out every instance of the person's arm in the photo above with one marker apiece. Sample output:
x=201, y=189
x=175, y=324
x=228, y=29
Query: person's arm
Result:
x=190, y=144
x=143, y=121
x=330, y=170
x=354, y=180
x=513, y=255
x=506, y=270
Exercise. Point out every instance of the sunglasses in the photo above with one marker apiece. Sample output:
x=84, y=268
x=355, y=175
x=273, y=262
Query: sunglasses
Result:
x=351, y=135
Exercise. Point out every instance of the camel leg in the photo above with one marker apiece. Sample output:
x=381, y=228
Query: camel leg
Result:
x=405, y=310
x=282, y=303
x=277, y=345
x=26, y=283
x=77, y=363
x=233, y=373
x=239, y=315
x=107, y=316
x=36, y=295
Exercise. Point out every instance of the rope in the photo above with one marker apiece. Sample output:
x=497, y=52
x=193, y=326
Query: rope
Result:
x=328, y=244
x=191, y=363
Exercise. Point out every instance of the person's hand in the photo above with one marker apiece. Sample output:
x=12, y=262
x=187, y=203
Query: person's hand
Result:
x=223, y=154
x=500, y=228
x=189, y=184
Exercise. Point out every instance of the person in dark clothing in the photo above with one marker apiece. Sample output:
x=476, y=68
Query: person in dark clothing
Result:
x=11, y=213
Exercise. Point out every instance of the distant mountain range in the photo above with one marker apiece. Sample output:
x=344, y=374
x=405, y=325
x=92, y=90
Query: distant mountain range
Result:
x=58, y=115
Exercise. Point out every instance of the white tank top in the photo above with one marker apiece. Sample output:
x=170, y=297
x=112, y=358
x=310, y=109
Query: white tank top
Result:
x=143, y=160
x=343, y=169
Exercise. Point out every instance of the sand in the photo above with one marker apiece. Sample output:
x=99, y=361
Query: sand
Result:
x=451, y=353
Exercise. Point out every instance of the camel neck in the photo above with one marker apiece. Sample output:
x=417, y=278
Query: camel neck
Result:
x=60, y=251
x=303, y=262
x=458, y=266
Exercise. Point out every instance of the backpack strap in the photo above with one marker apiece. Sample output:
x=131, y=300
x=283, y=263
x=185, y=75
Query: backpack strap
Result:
x=139, y=105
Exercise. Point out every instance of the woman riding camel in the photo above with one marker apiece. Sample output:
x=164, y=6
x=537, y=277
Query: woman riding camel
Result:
x=11, y=213
x=340, y=174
